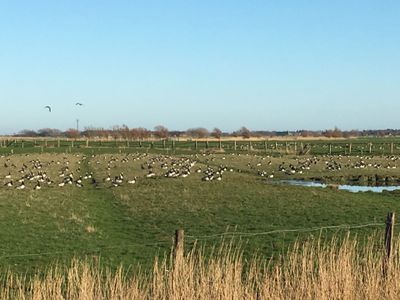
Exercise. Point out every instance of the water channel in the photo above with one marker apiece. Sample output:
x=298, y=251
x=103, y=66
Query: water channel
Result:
x=346, y=187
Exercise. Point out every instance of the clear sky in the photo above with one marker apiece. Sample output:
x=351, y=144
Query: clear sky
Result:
x=268, y=64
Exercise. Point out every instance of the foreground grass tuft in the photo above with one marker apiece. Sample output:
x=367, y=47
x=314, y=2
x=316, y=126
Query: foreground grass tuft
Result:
x=311, y=270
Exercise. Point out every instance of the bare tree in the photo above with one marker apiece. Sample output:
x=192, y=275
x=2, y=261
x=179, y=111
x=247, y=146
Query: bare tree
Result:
x=49, y=132
x=244, y=132
x=27, y=133
x=72, y=133
x=124, y=131
x=161, y=132
x=139, y=133
x=217, y=133
x=333, y=133
x=199, y=132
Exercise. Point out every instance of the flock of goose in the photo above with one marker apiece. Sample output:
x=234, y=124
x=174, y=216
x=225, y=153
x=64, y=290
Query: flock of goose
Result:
x=21, y=172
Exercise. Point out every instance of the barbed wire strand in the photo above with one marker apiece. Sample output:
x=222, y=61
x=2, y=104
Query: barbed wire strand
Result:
x=198, y=238
x=249, y=234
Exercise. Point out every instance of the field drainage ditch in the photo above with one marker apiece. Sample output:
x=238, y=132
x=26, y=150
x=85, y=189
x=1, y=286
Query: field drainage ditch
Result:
x=345, y=187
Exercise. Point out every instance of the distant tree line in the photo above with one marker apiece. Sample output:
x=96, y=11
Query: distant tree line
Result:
x=162, y=132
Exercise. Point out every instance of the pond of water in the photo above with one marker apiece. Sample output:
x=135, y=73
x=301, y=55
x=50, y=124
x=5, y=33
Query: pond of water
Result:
x=346, y=187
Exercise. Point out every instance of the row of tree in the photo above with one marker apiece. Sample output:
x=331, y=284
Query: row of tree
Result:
x=124, y=132
x=161, y=132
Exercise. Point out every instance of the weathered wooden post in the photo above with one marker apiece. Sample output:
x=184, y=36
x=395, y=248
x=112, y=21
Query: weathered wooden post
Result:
x=207, y=144
x=349, y=148
x=388, y=241
x=173, y=144
x=330, y=149
x=250, y=146
x=87, y=143
x=391, y=148
x=370, y=148
x=234, y=145
x=286, y=147
x=22, y=144
x=179, y=245
x=295, y=147
x=72, y=144
x=164, y=146
x=45, y=143
x=58, y=143
x=220, y=144
x=195, y=145
x=276, y=145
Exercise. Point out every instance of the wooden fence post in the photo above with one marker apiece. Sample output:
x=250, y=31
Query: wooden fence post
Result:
x=266, y=146
x=391, y=148
x=388, y=241
x=349, y=148
x=234, y=145
x=220, y=144
x=330, y=149
x=179, y=245
x=370, y=148
x=58, y=143
x=87, y=143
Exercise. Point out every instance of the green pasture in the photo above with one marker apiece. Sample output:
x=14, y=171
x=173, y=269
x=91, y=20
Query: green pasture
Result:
x=132, y=223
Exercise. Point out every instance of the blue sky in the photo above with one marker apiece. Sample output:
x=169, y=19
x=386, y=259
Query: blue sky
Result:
x=273, y=65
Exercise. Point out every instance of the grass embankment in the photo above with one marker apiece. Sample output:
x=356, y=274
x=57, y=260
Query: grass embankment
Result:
x=132, y=224
x=311, y=270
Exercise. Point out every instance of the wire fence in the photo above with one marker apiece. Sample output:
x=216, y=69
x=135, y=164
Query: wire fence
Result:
x=168, y=240
x=250, y=234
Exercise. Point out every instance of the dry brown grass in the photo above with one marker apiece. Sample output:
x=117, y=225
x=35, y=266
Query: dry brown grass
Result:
x=311, y=270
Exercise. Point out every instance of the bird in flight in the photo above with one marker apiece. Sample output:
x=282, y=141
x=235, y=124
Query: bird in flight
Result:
x=48, y=107
x=78, y=103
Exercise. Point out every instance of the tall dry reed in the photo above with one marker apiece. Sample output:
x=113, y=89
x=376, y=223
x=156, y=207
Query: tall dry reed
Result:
x=311, y=270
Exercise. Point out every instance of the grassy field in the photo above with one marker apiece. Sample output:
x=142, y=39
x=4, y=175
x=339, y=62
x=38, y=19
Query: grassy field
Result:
x=130, y=224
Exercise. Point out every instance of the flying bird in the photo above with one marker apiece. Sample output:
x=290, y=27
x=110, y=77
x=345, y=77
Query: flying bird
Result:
x=48, y=107
x=78, y=103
